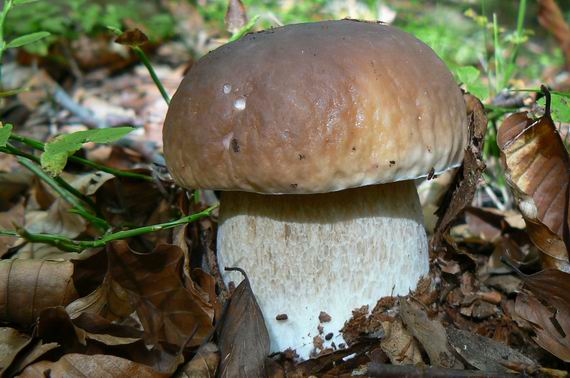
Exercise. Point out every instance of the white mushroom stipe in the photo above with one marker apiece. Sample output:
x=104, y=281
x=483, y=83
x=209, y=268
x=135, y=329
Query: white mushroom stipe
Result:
x=331, y=252
x=239, y=104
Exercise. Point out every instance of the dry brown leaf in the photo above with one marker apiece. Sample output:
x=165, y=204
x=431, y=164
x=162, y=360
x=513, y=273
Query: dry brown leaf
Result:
x=431, y=335
x=11, y=342
x=538, y=170
x=110, y=300
x=483, y=353
x=58, y=220
x=204, y=363
x=552, y=19
x=551, y=322
x=462, y=190
x=37, y=351
x=81, y=365
x=91, y=334
x=400, y=347
x=170, y=313
x=132, y=37
x=551, y=328
x=29, y=286
x=12, y=184
x=236, y=17
x=243, y=339
x=54, y=325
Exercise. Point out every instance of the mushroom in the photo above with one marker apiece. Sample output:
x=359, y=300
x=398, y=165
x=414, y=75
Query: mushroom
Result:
x=315, y=133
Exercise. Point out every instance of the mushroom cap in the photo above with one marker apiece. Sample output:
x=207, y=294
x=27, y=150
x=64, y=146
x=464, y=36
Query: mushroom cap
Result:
x=312, y=108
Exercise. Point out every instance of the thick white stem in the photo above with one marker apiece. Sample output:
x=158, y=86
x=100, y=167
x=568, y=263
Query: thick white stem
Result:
x=331, y=252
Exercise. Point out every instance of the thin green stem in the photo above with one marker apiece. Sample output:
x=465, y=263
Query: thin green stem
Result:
x=14, y=151
x=67, y=196
x=497, y=53
x=71, y=245
x=3, y=14
x=88, y=163
x=142, y=56
x=517, y=43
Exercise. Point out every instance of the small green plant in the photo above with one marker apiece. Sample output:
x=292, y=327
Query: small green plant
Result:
x=20, y=41
x=69, y=19
x=58, y=151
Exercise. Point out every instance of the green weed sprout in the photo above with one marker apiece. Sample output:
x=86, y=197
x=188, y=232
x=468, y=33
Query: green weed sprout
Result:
x=20, y=41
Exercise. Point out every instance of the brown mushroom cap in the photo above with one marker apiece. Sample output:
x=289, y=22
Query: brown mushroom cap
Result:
x=313, y=108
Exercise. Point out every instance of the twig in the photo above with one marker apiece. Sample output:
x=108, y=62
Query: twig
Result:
x=410, y=371
x=84, y=114
x=496, y=201
x=71, y=245
x=115, y=172
x=67, y=196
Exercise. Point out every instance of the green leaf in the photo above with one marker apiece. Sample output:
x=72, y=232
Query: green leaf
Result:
x=27, y=39
x=22, y=2
x=469, y=76
x=559, y=107
x=5, y=132
x=57, y=151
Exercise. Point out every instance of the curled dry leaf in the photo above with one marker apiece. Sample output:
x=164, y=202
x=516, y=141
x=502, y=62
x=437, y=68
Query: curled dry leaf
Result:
x=483, y=353
x=462, y=189
x=551, y=322
x=243, y=339
x=104, y=331
x=80, y=365
x=110, y=301
x=431, y=335
x=29, y=286
x=169, y=312
x=538, y=170
x=132, y=37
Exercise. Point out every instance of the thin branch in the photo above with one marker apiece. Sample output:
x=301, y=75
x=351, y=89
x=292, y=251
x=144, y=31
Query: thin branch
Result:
x=410, y=371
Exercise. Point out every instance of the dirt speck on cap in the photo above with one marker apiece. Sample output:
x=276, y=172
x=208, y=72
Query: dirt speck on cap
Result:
x=324, y=317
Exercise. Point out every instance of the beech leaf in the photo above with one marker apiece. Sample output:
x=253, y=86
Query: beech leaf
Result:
x=538, y=170
x=169, y=312
x=243, y=339
x=29, y=286
x=81, y=365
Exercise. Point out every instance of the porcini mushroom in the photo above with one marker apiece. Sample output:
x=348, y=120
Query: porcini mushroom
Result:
x=315, y=132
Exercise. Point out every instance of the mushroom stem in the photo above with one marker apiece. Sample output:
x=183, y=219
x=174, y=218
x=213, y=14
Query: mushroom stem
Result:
x=313, y=253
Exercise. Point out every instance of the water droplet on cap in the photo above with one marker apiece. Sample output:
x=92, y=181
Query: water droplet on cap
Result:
x=239, y=104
